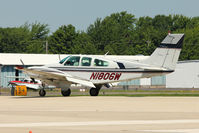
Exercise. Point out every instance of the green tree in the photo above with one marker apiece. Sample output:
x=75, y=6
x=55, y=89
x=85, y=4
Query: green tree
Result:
x=190, y=50
x=194, y=22
x=179, y=22
x=119, y=33
x=11, y=40
x=39, y=31
x=62, y=40
x=115, y=30
x=83, y=45
x=38, y=34
x=146, y=36
x=27, y=38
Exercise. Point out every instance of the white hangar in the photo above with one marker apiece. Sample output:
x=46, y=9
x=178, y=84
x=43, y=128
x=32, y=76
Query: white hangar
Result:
x=186, y=75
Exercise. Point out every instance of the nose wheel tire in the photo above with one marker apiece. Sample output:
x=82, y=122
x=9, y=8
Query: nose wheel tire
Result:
x=66, y=92
x=94, y=92
x=42, y=93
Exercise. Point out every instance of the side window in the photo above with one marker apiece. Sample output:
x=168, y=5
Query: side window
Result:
x=72, y=61
x=98, y=62
x=86, y=61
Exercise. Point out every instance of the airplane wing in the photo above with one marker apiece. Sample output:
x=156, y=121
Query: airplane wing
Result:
x=54, y=74
x=80, y=81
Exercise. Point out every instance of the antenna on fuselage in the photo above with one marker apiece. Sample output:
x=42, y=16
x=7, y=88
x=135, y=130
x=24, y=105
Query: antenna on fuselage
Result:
x=106, y=53
x=59, y=58
x=22, y=62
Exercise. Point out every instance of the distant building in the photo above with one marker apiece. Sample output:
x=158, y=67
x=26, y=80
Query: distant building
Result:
x=185, y=76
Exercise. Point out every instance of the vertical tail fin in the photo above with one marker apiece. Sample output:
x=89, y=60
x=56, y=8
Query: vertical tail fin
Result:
x=167, y=54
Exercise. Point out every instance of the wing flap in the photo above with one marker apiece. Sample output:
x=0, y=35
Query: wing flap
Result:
x=80, y=81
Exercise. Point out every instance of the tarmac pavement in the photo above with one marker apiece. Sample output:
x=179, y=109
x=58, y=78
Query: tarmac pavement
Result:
x=102, y=114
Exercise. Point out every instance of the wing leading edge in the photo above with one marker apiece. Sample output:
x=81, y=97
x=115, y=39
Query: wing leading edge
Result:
x=44, y=73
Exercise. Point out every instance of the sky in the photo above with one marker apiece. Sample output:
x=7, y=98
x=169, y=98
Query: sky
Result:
x=82, y=13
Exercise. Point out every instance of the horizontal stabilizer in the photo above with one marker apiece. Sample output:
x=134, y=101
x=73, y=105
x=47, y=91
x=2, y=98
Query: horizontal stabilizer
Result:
x=172, y=41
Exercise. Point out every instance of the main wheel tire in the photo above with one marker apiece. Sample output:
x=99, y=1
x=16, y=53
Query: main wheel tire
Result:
x=94, y=92
x=66, y=92
x=42, y=93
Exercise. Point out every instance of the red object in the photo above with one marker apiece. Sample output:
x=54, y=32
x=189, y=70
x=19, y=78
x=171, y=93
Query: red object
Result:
x=30, y=131
x=19, y=67
x=169, y=32
x=22, y=82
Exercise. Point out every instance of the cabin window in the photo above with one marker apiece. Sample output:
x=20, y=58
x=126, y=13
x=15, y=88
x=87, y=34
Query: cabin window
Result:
x=98, y=62
x=72, y=61
x=86, y=61
x=63, y=60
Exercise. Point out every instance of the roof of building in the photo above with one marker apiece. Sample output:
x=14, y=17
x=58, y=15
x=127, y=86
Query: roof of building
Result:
x=29, y=59
x=188, y=61
x=42, y=59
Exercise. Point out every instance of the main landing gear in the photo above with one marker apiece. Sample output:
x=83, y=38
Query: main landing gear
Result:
x=65, y=92
x=95, y=91
x=42, y=92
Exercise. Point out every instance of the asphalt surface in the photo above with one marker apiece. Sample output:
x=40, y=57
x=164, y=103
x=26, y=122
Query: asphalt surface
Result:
x=101, y=114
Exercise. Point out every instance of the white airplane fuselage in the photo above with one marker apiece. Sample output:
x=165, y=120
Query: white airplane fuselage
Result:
x=105, y=74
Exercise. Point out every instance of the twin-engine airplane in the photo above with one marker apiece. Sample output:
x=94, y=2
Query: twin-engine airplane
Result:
x=97, y=70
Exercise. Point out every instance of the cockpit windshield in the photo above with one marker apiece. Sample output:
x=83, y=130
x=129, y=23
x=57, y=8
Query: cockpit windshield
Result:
x=63, y=60
x=72, y=61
